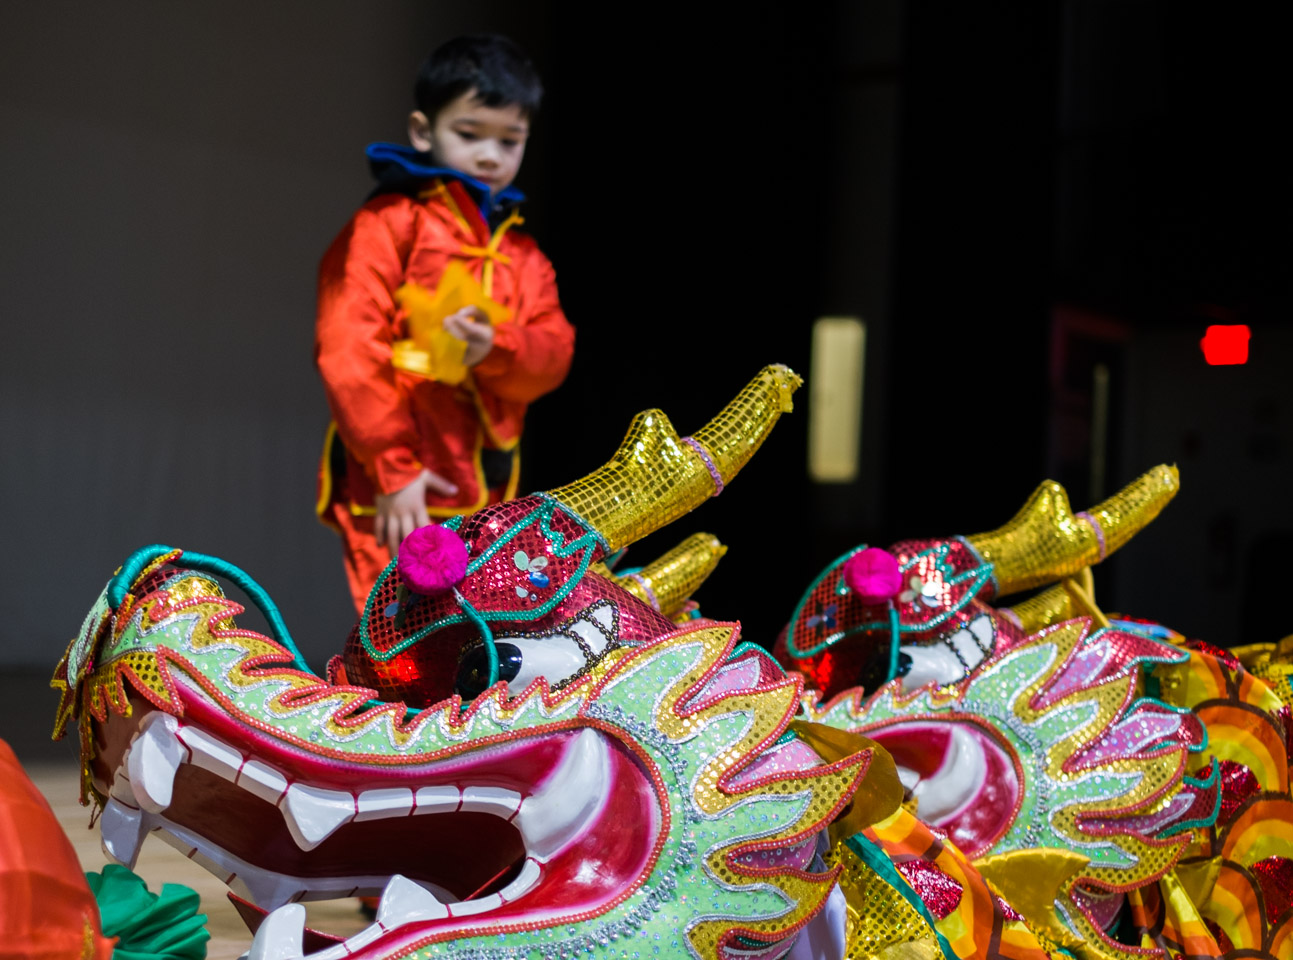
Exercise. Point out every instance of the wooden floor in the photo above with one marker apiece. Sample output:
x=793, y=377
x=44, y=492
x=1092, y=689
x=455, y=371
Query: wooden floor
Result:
x=159, y=863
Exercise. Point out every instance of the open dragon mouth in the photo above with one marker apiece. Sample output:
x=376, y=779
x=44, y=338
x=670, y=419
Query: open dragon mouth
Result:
x=519, y=831
x=965, y=781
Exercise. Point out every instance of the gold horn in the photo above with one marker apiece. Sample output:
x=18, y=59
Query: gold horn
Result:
x=1045, y=541
x=656, y=476
x=667, y=582
x=1071, y=597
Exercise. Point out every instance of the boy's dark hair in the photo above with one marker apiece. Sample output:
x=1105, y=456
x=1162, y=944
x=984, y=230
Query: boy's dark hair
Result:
x=495, y=67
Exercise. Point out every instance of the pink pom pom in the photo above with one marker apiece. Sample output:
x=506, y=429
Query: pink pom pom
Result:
x=432, y=560
x=873, y=575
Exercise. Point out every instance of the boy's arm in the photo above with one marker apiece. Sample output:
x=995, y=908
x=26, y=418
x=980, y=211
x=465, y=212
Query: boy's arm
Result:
x=353, y=336
x=531, y=355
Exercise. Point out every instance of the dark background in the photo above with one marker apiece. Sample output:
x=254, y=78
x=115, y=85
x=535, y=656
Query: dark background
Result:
x=1007, y=194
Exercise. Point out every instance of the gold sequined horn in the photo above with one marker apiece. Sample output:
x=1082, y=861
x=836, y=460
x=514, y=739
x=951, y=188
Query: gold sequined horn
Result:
x=1052, y=605
x=667, y=582
x=1046, y=541
x=1071, y=597
x=656, y=476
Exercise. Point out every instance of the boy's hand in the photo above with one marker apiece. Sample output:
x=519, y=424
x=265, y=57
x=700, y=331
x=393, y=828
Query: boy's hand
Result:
x=472, y=325
x=402, y=512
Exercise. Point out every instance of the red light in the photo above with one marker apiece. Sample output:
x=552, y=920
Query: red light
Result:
x=1225, y=344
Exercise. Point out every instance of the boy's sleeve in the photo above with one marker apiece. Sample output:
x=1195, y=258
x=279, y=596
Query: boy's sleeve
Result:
x=531, y=354
x=353, y=336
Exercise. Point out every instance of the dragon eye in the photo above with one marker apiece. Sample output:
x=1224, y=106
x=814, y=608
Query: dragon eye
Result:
x=473, y=669
x=876, y=671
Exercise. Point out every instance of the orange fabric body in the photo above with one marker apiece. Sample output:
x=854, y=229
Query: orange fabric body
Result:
x=365, y=558
x=46, y=909
x=392, y=423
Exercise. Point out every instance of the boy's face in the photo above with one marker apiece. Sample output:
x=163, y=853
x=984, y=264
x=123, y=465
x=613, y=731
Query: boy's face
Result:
x=486, y=143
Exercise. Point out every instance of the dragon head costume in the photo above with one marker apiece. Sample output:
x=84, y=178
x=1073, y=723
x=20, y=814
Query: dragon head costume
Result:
x=615, y=786
x=1090, y=769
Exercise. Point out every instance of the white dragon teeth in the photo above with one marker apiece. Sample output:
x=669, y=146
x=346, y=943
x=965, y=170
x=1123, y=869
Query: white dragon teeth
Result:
x=964, y=642
x=313, y=814
x=984, y=632
x=567, y=803
x=403, y=901
x=122, y=830
x=498, y=801
x=154, y=757
x=526, y=879
x=442, y=799
x=384, y=802
x=262, y=780
x=908, y=777
x=951, y=659
x=953, y=785
x=599, y=632
x=469, y=908
x=935, y=663
x=280, y=934
x=568, y=800
x=211, y=753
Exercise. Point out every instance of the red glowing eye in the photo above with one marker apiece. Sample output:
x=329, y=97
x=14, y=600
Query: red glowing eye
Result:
x=1225, y=344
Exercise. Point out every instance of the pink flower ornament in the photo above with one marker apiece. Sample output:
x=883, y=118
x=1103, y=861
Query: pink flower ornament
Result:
x=432, y=560
x=873, y=575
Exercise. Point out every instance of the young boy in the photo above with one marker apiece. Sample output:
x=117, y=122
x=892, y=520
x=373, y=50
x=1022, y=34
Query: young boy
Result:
x=404, y=448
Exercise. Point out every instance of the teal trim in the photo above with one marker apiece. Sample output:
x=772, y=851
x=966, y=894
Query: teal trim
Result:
x=745, y=646
x=799, y=608
x=588, y=542
x=368, y=604
x=1155, y=631
x=1181, y=711
x=877, y=860
x=203, y=563
x=130, y=570
x=1154, y=701
x=486, y=636
x=1207, y=821
x=974, y=552
x=894, y=633
x=1153, y=686
x=979, y=575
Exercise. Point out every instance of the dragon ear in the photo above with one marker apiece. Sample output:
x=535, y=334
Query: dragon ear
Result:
x=1045, y=541
x=668, y=581
x=656, y=476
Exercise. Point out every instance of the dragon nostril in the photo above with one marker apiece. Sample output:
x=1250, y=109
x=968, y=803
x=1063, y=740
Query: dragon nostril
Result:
x=473, y=669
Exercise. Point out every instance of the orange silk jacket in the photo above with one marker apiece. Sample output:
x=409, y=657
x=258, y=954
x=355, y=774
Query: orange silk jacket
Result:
x=391, y=423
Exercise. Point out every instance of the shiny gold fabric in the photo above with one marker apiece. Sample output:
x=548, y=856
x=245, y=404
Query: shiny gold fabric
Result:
x=878, y=796
x=1050, y=606
x=1272, y=663
x=669, y=581
x=1071, y=597
x=1031, y=881
x=655, y=477
x=1045, y=541
x=880, y=922
x=825, y=789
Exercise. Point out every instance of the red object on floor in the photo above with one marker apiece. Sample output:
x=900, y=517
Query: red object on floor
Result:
x=46, y=909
